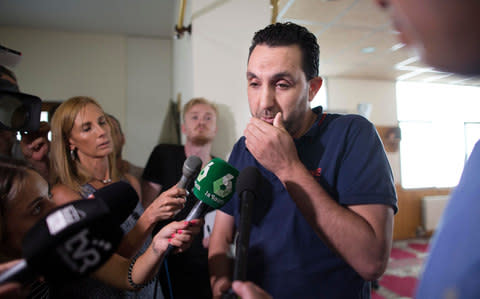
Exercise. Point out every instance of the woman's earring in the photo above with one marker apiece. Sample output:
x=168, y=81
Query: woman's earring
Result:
x=72, y=154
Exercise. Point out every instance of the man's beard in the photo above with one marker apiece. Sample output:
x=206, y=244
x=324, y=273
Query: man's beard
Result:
x=201, y=140
x=289, y=124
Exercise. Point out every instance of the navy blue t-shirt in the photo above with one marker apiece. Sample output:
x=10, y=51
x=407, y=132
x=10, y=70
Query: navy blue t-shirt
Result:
x=286, y=257
x=452, y=269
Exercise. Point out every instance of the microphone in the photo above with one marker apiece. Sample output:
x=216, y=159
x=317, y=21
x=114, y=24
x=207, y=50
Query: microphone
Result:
x=120, y=198
x=74, y=239
x=191, y=167
x=248, y=187
x=214, y=187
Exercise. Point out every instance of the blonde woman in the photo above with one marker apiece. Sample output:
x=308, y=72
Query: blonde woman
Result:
x=83, y=161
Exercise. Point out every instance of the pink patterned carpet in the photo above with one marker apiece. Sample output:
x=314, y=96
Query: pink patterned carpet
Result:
x=404, y=267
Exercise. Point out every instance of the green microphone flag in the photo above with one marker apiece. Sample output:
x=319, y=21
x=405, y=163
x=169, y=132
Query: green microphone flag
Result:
x=215, y=184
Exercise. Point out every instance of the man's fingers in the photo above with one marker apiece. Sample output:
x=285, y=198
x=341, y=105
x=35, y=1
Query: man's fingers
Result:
x=260, y=125
x=278, y=121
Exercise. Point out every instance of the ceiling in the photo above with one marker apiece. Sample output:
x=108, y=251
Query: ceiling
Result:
x=100, y=16
x=355, y=37
x=356, y=40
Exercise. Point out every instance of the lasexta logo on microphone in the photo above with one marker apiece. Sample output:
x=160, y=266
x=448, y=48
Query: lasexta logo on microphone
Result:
x=215, y=184
x=223, y=186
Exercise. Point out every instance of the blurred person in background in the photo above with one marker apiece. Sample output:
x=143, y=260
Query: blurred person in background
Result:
x=163, y=170
x=446, y=35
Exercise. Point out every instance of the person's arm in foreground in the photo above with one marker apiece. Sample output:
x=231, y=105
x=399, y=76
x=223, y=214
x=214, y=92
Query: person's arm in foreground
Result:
x=219, y=264
x=163, y=207
x=361, y=234
x=115, y=271
x=131, y=243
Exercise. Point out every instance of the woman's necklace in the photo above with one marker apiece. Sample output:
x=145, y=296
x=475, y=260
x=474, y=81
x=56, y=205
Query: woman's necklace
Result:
x=104, y=181
x=106, y=174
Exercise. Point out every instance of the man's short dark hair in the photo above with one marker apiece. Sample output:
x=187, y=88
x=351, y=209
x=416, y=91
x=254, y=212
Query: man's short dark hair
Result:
x=287, y=34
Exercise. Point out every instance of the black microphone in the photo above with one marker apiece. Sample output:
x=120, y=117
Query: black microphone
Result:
x=75, y=239
x=248, y=188
x=191, y=168
x=120, y=198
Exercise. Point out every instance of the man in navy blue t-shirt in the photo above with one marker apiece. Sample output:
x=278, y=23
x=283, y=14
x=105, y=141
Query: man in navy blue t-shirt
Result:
x=323, y=225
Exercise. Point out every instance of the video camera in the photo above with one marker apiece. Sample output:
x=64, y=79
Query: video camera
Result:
x=18, y=111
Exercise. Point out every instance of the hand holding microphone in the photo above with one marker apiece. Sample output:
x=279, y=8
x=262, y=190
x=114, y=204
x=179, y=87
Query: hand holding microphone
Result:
x=172, y=201
x=214, y=187
x=178, y=234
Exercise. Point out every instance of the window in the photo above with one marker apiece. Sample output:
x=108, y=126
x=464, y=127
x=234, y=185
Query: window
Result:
x=472, y=135
x=440, y=124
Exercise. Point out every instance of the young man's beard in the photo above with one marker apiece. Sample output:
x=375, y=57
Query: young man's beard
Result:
x=201, y=140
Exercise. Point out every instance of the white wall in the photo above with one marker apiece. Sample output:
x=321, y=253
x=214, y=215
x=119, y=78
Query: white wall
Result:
x=183, y=62
x=220, y=41
x=345, y=94
x=131, y=77
x=149, y=91
x=183, y=65
x=59, y=65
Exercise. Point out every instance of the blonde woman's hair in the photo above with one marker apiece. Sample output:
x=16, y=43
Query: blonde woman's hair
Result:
x=66, y=170
x=196, y=101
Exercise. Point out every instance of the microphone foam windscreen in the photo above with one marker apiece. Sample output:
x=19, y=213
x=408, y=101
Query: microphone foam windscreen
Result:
x=120, y=198
x=191, y=166
x=215, y=184
x=72, y=240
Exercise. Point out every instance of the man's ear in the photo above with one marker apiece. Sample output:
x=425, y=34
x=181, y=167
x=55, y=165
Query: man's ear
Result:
x=314, y=87
x=183, y=128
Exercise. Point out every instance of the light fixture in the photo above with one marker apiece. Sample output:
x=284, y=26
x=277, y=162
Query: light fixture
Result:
x=179, y=28
x=397, y=47
x=368, y=50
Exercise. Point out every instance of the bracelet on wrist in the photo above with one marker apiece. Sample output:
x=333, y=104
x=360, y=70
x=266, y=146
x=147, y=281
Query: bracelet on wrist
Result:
x=130, y=280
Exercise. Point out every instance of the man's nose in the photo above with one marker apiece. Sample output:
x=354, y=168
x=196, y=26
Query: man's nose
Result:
x=267, y=97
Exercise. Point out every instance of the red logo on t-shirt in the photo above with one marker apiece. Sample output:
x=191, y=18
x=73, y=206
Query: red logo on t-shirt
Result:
x=316, y=172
